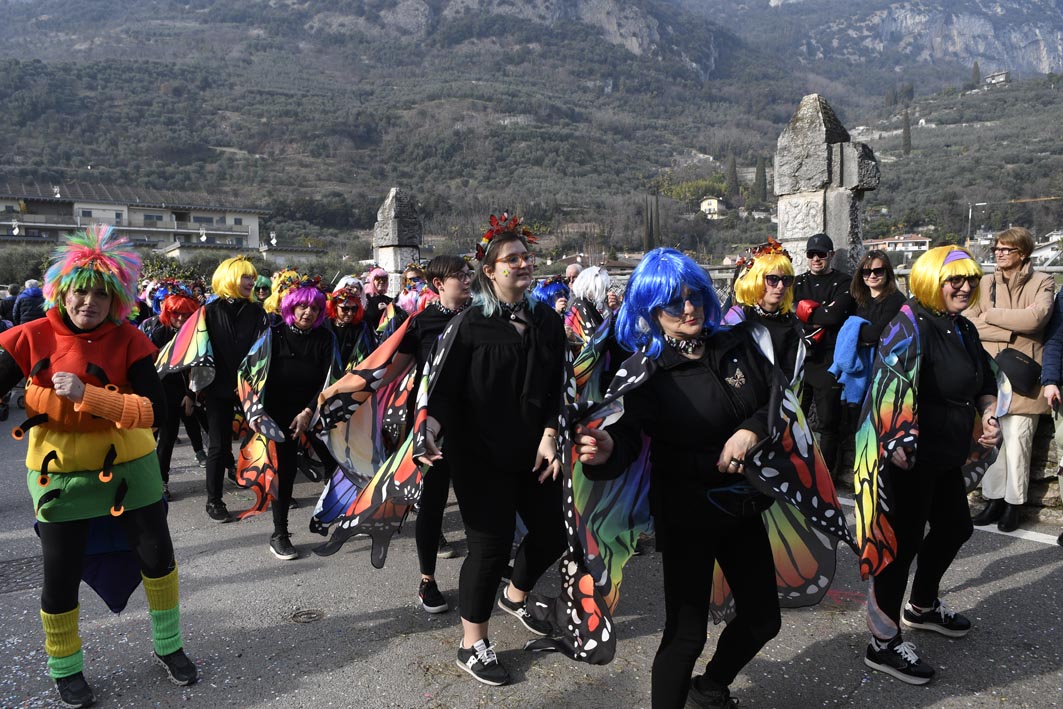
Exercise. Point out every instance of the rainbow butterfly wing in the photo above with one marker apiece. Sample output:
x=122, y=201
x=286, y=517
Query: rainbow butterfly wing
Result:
x=189, y=348
x=250, y=384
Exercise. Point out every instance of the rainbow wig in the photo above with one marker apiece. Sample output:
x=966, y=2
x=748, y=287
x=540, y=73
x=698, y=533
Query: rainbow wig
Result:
x=592, y=284
x=89, y=258
x=176, y=304
x=370, y=287
x=749, y=287
x=346, y=296
x=550, y=290
x=283, y=282
x=226, y=279
x=932, y=269
x=657, y=279
x=300, y=294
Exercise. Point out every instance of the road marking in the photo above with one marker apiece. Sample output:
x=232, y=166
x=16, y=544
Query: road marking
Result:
x=1038, y=537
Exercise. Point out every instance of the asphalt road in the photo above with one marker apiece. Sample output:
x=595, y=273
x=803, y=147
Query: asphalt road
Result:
x=374, y=647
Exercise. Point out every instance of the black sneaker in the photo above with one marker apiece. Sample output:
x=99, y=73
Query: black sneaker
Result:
x=167, y=495
x=180, y=669
x=201, y=459
x=281, y=546
x=520, y=612
x=899, y=660
x=703, y=694
x=218, y=512
x=74, y=691
x=940, y=619
x=481, y=662
x=446, y=551
x=431, y=599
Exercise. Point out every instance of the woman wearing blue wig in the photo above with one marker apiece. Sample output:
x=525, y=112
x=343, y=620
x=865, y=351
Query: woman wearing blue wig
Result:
x=704, y=406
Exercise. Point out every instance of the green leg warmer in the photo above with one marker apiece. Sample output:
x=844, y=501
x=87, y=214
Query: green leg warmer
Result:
x=165, y=612
x=62, y=643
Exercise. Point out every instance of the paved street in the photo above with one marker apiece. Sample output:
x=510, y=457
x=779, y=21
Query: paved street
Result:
x=375, y=647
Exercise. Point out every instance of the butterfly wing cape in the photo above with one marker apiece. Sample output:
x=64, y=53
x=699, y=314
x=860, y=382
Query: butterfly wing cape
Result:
x=604, y=518
x=191, y=349
x=360, y=419
x=889, y=420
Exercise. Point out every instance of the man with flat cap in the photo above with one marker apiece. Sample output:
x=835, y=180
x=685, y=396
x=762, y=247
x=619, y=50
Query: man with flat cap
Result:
x=822, y=302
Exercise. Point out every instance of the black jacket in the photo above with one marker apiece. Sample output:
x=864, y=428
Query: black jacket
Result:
x=832, y=292
x=233, y=326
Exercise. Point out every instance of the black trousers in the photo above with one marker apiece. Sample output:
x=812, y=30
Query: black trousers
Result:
x=63, y=548
x=924, y=494
x=489, y=500
x=220, y=414
x=175, y=414
x=742, y=548
x=828, y=400
x=287, y=467
x=434, y=494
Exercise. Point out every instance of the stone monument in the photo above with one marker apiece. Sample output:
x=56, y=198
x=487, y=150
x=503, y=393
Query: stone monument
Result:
x=820, y=180
x=397, y=236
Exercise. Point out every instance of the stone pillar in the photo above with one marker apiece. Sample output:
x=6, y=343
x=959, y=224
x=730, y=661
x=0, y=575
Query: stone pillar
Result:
x=397, y=236
x=820, y=180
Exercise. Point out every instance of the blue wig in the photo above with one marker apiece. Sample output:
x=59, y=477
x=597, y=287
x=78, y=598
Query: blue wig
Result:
x=550, y=290
x=656, y=280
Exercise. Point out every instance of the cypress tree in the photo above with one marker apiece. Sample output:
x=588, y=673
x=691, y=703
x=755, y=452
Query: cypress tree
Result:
x=760, y=182
x=731, y=186
x=906, y=134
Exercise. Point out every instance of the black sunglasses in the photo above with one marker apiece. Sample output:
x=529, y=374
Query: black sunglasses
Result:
x=774, y=280
x=876, y=272
x=957, y=281
x=815, y=254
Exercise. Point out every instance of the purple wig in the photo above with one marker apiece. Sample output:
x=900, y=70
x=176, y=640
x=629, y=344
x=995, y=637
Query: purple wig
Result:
x=304, y=295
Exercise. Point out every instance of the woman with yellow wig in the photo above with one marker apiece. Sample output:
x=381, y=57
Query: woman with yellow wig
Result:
x=763, y=293
x=933, y=391
x=234, y=321
x=92, y=398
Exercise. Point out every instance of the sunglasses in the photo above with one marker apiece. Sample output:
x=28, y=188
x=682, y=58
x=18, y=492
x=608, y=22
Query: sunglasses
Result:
x=349, y=308
x=957, y=281
x=774, y=280
x=876, y=272
x=815, y=254
x=678, y=304
x=518, y=260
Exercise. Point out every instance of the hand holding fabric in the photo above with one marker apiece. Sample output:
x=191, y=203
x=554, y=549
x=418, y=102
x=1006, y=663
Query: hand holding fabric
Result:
x=593, y=446
x=431, y=433
x=1052, y=395
x=300, y=423
x=991, y=433
x=733, y=455
x=903, y=458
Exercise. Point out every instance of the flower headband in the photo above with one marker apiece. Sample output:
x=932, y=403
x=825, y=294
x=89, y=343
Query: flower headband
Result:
x=503, y=225
x=771, y=247
x=302, y=281
x=345, y=296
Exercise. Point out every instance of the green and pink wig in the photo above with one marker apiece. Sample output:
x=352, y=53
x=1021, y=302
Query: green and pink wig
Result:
x=90, y=258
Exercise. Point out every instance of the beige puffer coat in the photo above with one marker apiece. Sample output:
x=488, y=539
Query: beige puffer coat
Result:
x=1017, y=319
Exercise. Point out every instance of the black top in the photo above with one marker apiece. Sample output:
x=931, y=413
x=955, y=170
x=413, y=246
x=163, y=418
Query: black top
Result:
x=499, y=389
x=233, y=326
x=297, y=370
x=176, y=384
x=832, y=291
x=689, y=408
x=375, y=305
x=785, y=331
x=878, y=312
x=347, y=337
x=423, y=331
x=954, y=373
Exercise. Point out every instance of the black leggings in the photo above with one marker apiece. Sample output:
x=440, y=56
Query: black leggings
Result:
x=287, y=466
x=63, y=548
x=489, y=501
x=434, y=494
x=744, y=553
x=175, y=414
x=829, y=417
x=220, y=414
x=926, y=493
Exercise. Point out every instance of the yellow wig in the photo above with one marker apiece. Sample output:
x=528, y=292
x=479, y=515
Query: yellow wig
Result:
x=749, y=287
x=932, y=269
x=282, y=283
x=226, y=279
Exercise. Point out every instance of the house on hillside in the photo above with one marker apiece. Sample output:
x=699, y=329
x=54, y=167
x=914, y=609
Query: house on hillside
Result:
x=712, y=207
x=909, y=245
x=996, y=78
x=32, y=213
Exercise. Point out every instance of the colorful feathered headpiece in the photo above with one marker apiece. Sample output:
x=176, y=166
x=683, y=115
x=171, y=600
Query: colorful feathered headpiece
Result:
x=503, y=225
x=771, y=247
x=95, y=255
x=293, y=280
